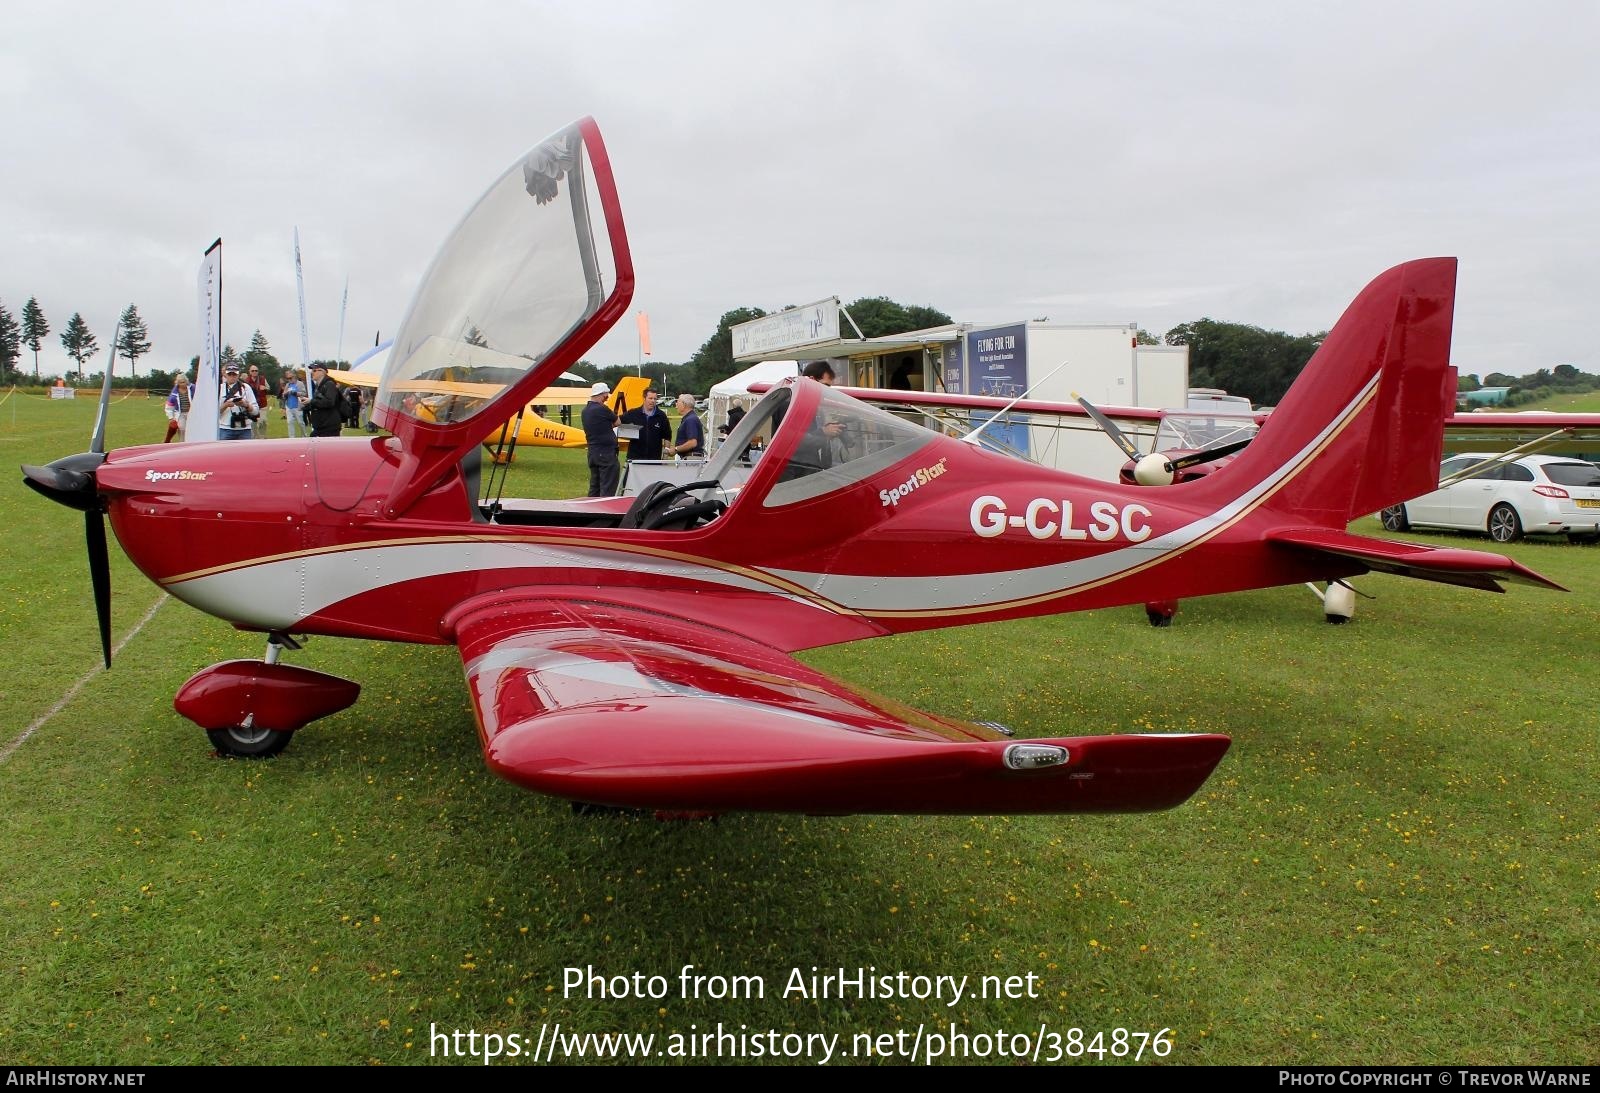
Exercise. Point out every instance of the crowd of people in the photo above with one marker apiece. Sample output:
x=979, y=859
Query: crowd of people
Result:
x=656, y=438
x=311, y=405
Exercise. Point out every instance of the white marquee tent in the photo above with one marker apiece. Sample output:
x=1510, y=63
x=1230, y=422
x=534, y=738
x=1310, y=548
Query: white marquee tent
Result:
x=735, y=391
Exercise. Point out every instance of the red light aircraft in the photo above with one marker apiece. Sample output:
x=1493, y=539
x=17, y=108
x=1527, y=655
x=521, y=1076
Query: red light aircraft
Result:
x=636, y=651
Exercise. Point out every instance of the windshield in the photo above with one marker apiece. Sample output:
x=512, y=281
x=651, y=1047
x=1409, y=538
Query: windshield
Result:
x=1193, y=431
x=522, y=271
x=845, y=441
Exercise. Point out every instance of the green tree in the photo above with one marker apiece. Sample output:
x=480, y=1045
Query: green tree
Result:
x=922, y=317
x=229, y=356
x=1144, y=337
x=1244, y=360
x=260, y=355
x=10, y=342
x=34, y=328
x=79, y=341
x=133, y=340
x=713, y=361
x=878, y=316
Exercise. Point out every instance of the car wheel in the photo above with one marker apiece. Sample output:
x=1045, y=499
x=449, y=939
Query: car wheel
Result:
x=1394, y=518
x=1505, y=526
x=238, y=742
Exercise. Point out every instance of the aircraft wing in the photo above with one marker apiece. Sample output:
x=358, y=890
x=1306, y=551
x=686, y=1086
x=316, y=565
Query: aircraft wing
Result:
x=938, y=400
x=366, y=380
x=616, y=704
x=1532, y=432
x=1447, y=565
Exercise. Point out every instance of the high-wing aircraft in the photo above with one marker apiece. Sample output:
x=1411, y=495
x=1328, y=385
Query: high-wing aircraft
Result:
x=637, y=651
x=529, y=428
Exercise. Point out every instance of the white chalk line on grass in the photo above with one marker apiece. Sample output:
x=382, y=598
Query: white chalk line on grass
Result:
x=5, y=753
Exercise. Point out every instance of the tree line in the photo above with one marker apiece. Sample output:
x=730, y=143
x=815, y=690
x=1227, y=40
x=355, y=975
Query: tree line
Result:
x=132, y=340
x=1563, y=379
x=1241, y=359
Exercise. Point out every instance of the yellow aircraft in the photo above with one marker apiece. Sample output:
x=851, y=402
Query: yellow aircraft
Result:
x=541, y=431
x=532, y=428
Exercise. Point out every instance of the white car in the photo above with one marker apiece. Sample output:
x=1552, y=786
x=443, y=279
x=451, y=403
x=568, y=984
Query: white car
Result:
x=1537, y=494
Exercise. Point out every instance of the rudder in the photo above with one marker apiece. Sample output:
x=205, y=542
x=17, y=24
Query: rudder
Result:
x=1362, y=427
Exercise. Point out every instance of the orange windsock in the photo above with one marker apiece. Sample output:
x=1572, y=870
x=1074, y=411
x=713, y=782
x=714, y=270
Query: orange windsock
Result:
x=644, y=332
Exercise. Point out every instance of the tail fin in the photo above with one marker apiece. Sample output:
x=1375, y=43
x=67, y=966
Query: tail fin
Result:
x=1362, y=428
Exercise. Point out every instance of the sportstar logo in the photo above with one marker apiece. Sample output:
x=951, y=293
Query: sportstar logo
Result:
x=1039, y=517
x=921, y=477
x=177, y=476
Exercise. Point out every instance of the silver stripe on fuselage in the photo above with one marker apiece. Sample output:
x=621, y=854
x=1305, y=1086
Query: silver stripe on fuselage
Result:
x=309, y=583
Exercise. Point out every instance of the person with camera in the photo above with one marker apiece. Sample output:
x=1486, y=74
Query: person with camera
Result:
x=326, y=413
x=237, y=409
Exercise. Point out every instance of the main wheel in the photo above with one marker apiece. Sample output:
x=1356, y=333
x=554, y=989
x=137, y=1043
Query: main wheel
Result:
x=238, y=742
x=1394, y=518
x=1505, y=526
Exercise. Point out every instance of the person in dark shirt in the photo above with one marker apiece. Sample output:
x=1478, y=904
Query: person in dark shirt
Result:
x=691, y=439
x=600, y=430
x=326, y=407
x=654, y=428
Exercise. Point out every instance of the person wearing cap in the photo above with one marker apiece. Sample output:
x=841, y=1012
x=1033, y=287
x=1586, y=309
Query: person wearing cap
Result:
x=236, y=406
x=327, y=412
x=600, y=430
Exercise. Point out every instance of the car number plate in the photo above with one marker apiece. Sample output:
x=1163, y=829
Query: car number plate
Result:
x=1585, y=503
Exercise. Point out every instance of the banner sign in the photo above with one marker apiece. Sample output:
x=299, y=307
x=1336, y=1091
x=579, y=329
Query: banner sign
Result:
x=997, y=365
x=812, y=324
x=203, y=411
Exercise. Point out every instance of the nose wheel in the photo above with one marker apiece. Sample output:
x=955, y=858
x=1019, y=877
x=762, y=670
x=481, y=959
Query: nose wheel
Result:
x=251, y=709
x=248, y=742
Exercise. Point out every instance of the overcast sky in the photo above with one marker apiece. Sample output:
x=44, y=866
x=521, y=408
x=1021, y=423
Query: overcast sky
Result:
x=1095, y=162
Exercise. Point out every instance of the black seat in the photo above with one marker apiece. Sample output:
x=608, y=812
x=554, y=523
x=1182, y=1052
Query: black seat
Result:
x=657, y=498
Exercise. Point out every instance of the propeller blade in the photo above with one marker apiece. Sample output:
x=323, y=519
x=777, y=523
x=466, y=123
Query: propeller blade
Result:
x=1117, y=436
x=94, y=530
x=1206, y=455
x=97, y=440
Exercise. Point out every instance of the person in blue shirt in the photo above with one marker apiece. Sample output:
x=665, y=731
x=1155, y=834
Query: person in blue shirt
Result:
x=290, y=397
x=691, y=439
x=654, y=428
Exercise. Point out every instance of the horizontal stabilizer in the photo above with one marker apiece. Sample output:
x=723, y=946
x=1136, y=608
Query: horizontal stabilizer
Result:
x=1469, y=568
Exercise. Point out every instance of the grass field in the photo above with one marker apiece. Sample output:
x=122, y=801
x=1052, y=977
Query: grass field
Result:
x=1587, y=402
x=1398, y=861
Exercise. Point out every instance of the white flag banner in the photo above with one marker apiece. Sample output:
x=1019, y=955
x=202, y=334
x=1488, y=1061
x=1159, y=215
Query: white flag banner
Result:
x=300, y=284
x=207, y=385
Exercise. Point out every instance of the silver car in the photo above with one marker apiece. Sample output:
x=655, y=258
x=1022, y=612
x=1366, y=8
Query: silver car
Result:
x=1536, y=494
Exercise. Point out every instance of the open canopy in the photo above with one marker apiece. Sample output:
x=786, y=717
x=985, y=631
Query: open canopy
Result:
x=532, y=277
